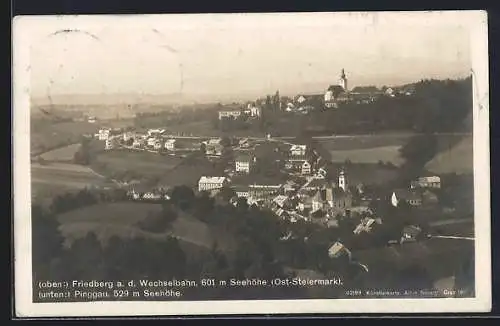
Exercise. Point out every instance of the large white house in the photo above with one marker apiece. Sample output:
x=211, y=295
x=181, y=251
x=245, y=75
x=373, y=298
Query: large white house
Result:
x=104, y=134
x=211, y=183
x=244, y=163
x=298, y=150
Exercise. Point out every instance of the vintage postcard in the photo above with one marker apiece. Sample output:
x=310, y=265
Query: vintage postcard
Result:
x=251, y=164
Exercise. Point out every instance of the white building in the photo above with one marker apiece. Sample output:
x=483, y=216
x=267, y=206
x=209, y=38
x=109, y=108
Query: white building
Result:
x=298, y=150
x=104, y=134
x=306, y=168
x=151, y=141
x=244, y=163
x=170, y=144
x=156, y=132
x=229, y=114
x=109, y=144
x=211, y=183
x=427, y=182
x=343, y=181
x=337, y=250
x=254, y=111
x=157, y=145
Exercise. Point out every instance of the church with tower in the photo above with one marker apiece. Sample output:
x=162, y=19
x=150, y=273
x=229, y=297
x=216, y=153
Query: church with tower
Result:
x=336, y=94
x=335, y=199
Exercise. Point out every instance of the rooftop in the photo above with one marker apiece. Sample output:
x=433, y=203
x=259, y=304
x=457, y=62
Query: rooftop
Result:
x=205, y=179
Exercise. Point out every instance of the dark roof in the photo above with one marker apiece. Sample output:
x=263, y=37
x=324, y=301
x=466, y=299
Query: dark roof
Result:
x=243, y=157
x=330, y=194
x=412, y=230
x=336, y=89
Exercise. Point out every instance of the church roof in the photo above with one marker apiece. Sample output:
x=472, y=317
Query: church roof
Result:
x=336, y=89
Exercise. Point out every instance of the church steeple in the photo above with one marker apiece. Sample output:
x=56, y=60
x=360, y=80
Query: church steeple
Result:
x=343, y=80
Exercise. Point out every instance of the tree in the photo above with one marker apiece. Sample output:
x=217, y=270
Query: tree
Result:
x=182, y=197
x=226, y=193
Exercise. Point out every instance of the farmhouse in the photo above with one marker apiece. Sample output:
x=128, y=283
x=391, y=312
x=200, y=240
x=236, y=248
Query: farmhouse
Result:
x=403, y=195
x=109, y=144
x=211, y=183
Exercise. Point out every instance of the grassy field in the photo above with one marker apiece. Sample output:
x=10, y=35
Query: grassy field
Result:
x=49, y=135
x=63, y=154
x=369, y=155
x=52, y=179
x=139, y=162
x=453, y=157
x=120, y=219
x=363, y=142
x=189, y=172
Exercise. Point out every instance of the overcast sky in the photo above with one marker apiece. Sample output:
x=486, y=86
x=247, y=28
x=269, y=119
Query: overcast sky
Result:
x=243, y=53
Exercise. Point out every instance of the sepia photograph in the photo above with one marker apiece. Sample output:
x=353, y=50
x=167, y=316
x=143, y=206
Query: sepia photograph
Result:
x=251, y=163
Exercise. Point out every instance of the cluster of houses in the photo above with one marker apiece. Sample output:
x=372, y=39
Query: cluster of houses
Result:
x=154, y=140
x=252, y=110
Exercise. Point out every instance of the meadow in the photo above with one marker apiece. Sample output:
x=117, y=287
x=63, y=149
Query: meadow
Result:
x=51, y=179
x=121, y=219
x=62, y=154
x=140, y=163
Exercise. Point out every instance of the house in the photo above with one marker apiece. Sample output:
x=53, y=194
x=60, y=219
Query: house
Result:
x=127, y=136
x=255, y=111
x=151, y=141
x=231, y=114
x=214, y=147
x=241, y=191
x=364, y=226
x=158, y=145
x=410, y=233
x=337, y=250
x=170, y=144
x=281, y=201
x=109, y=144
x=427, y=182
x=322, y=173
x=412, y=198
x=244, y=163
x=390, y=92
x=137, y=142
x=152, y=195
x=211, y=183
x=104, y=134
x=243, y=143
x=298, y=150
x=155, y=132
x=91, y=119
x=306, y=168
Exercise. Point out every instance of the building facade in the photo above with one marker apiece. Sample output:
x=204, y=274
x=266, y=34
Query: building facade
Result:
x=211, y=183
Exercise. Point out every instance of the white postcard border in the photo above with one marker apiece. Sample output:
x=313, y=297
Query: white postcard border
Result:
x=24, y=307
